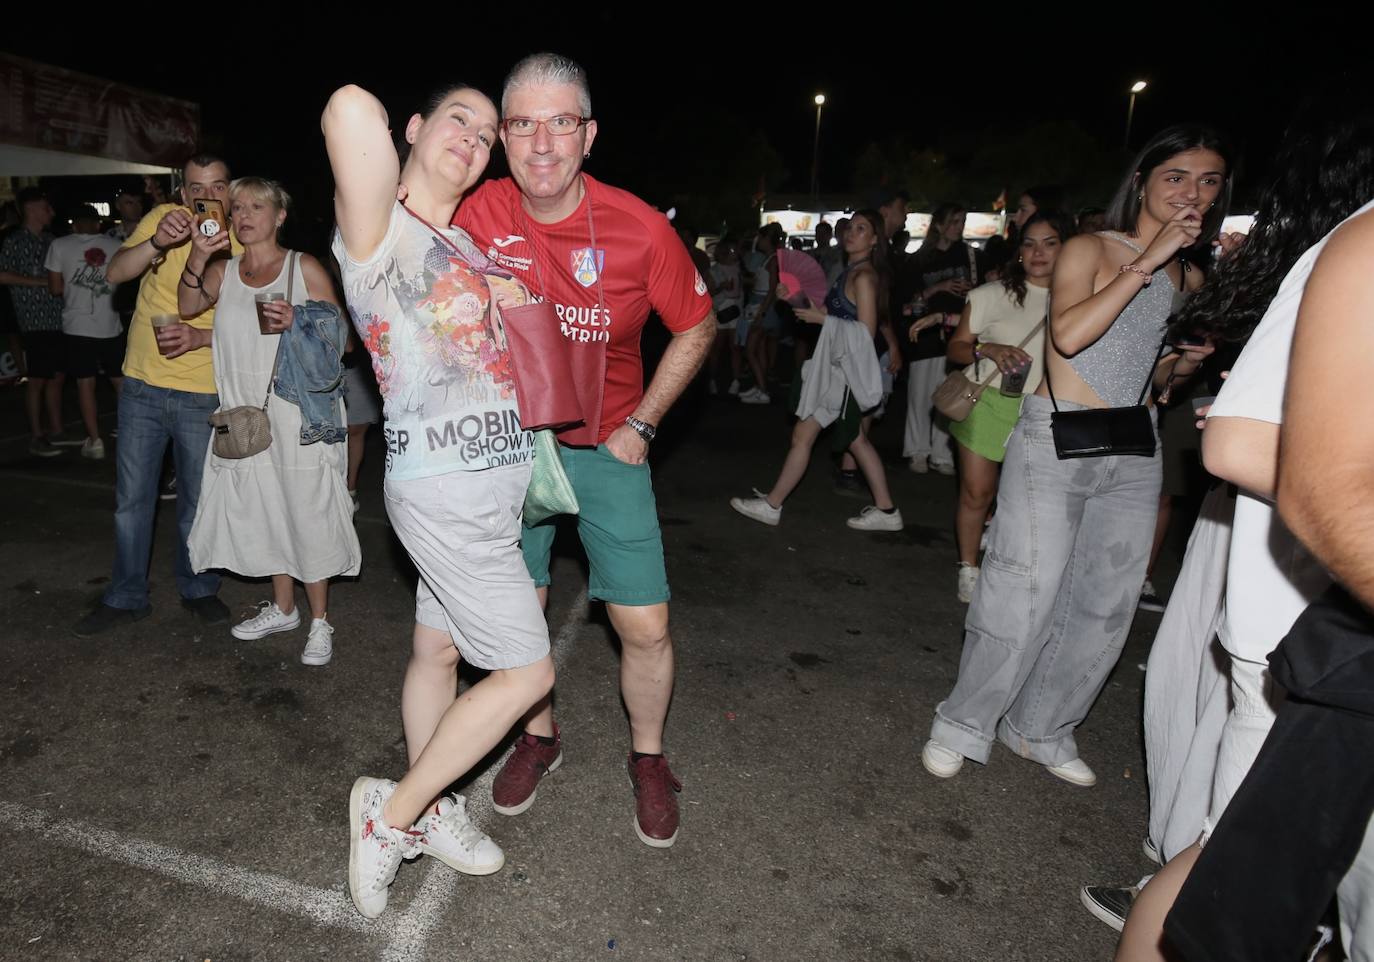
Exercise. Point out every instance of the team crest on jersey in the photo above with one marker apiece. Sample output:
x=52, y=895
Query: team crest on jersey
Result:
x=587, y=265
x=700, y=286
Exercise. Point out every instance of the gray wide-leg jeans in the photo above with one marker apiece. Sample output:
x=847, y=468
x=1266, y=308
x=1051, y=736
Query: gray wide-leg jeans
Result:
x=1063, y=571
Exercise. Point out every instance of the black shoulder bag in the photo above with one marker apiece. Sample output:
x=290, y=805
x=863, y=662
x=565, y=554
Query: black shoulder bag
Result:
x=1100, y=432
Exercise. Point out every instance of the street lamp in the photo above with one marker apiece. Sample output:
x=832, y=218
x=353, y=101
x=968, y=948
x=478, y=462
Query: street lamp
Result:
x=1136, y=88
x=816, y=147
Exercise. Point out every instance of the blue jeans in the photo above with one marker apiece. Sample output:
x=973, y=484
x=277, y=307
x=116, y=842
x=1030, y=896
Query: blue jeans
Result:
x=1065, y=563
x=149, y=417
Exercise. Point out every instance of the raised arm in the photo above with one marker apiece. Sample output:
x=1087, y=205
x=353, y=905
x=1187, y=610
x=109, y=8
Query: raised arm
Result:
x=1079, y=315
x=366, y=168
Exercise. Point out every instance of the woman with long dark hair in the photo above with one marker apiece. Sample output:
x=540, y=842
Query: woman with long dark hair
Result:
x=993, y=330
x=856, y=307
x=1068, y=546
x=942, y=272
x=1325, y=177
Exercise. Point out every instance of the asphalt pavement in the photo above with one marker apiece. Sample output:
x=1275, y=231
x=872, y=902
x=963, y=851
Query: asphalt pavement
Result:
x=170, y=793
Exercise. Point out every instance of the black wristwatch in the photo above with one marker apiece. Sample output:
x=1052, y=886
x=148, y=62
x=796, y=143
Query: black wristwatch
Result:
x=643, y=428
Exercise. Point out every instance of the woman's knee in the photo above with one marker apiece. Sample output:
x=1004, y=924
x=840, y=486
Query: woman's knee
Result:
x=532, y=681
x=433, y=649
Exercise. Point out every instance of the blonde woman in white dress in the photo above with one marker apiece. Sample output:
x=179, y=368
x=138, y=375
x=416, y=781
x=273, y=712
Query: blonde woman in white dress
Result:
x=285, y=512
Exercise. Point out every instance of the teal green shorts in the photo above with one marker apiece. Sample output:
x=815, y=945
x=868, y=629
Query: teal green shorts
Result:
x=618, y=526
x=988, y=427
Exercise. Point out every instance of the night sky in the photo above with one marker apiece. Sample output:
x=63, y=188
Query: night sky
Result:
x=672, y=98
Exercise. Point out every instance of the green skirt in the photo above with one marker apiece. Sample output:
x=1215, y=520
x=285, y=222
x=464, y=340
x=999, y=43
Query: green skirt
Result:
x=989, y=425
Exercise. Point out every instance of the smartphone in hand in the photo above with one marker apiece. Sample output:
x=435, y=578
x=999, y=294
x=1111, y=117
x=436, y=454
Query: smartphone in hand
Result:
x=210, y=218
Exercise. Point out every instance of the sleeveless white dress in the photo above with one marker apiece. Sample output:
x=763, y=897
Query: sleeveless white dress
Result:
x=285, y=510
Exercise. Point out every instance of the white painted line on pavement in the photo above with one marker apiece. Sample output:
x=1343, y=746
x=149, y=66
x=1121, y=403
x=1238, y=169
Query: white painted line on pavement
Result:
x=331, y=908
x=405, y=934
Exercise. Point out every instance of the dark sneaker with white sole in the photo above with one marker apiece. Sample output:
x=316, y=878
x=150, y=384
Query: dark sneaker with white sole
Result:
x=514, y=789
x=1109, y=903
x=656, y=788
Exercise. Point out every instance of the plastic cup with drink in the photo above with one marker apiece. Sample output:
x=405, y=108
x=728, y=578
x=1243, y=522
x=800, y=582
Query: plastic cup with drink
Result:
x=266, y=325
x=160, y=321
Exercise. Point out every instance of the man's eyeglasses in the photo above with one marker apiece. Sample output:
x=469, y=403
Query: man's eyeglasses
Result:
x=559, y=126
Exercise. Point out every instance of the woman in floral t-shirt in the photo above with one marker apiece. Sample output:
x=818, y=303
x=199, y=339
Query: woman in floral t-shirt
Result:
x=427, y=304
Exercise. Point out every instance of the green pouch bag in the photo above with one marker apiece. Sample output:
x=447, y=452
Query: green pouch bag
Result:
x=550, y=492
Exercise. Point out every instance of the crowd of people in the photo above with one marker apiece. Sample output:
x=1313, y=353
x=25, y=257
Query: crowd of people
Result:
x=1036, y=368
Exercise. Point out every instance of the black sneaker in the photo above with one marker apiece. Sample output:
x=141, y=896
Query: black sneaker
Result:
x=851, y=485
x=1109, y=903
x=168, y=489
x=1149, y=598
x=103, y=618
x=210, y=610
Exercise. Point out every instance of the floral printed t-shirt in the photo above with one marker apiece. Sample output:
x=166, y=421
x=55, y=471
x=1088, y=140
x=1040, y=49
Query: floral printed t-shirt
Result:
x=427, y=309
x=87, y=297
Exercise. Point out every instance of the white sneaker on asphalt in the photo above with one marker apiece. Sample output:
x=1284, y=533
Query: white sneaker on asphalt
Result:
x=940, y=761
x=734, y=387
x=968, y=580
x=755, y=396
x=93, y=448
x=758, y=509
x=450, y=836
x=918, y=465
x=1075, y=772
x=269, y=619
x=319, y=646
x=872, y=519
x=1151, y=851
x=942, y=467
x=375, y=849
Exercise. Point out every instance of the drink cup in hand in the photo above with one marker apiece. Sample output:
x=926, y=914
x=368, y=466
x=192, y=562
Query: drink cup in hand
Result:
x=266, y=325
x=159, y=322
x=1014, y=381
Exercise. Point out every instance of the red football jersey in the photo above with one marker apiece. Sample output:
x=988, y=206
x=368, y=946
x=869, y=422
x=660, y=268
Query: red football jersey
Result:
x=638, y=263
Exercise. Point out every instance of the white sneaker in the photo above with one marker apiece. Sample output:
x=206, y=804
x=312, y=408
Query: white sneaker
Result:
x=871, y=519
x=319, y=646
x=918, y=465
x=1075, y=772
x=757, y=508
x=968, y=580
x=375, y=849
x=1151, y=851
x=734, y=387
x=711, y=388
x=93, y=448
x=268, y=620
x=940, y=761
x=450, y=836
x=983, y=538
x=756, y=396
x=942, y=467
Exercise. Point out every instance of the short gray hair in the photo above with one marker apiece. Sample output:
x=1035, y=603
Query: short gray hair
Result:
x=548, y=70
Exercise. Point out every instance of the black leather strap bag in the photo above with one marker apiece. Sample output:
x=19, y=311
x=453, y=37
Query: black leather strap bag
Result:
x=1101, y=432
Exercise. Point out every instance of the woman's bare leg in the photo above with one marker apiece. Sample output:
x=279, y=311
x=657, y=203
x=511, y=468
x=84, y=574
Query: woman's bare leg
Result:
x=1142, y=940
x=284, y=593
x=977, y=489
x=804, y=435
x=872, y=467
x=464, y=733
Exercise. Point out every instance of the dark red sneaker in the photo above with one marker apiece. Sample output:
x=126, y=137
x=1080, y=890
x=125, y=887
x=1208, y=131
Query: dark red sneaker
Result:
x=514, y=789
x=655, y=800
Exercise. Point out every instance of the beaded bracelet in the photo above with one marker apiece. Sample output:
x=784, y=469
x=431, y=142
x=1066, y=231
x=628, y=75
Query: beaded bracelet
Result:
x=1137, y=270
